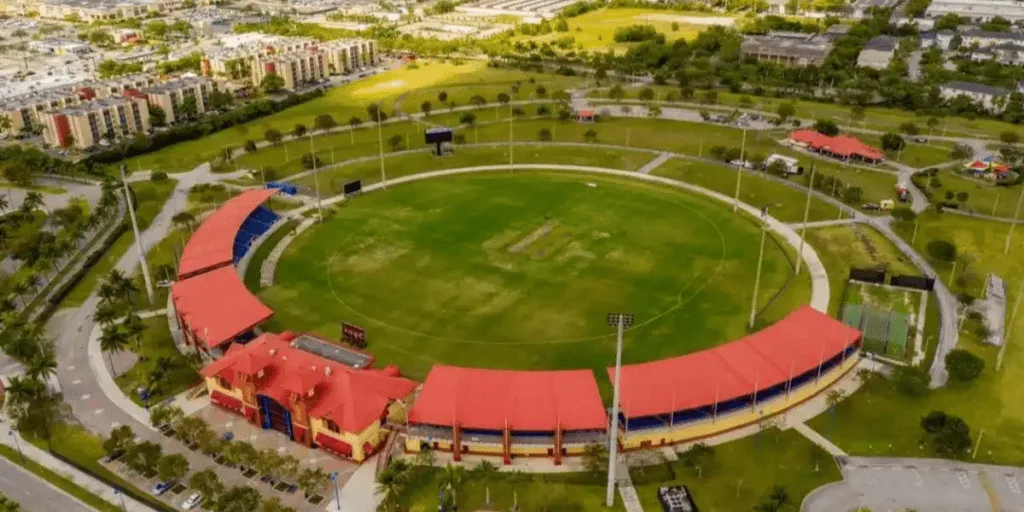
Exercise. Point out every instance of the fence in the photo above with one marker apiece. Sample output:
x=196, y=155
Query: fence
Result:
x=916, y=282
x=867, y=275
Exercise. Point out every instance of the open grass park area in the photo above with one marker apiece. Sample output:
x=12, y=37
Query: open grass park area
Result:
x=157, y=353
x=595, y=30
x=475, y=269
x=866, y=423
x=983, y=196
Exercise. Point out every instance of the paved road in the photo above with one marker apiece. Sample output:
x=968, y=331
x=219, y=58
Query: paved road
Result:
x=33, y=494
x=932, y=485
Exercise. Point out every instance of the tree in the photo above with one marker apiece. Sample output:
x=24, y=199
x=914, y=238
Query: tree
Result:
x=206, y=482
x=893, y=142
x=590, y=135
x=249, y=146
x=426, y=107
x=112, y=339
x=911, y=380
x=962, y=196
x=396, y=142
x=34, y=410
x=963, y=365
x=172, y=467
x=239, y=452
x=238, y=499
x=949, y=435
x=392, y=480
x=827, y=127
x=786, y=110
x=376, y=113
x=909, y=128
x=468, y=118
x=941, y=250
x=8, y=505
x=645, y=94
x=1009, y=137
x=442, y=96
x=311, y=481
x=189, y=108
x=544, y=135
x=157, y=116
x=700, y=458
x=595, y=459
x=121, y=438
x=272, y=83
x=183, y=219
x=616, y=92
x=273, y=136
x=165, y=415
x=654, y=111
x=504, y=98
x=143, y=456
x=299, y=130
x=776, y=499
x=18, y=173
x=324, y=122
x=274, y=505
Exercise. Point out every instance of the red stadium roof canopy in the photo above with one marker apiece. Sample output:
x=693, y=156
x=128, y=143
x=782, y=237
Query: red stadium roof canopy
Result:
x=217, y=306
x=842, y=145
x=212, y=244
x=525, y=401
x=794, y=345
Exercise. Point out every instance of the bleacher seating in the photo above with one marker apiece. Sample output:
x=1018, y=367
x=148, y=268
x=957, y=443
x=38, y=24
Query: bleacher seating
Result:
x=257, y=223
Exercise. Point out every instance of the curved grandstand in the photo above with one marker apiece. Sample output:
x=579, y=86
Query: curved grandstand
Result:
x=321, y=393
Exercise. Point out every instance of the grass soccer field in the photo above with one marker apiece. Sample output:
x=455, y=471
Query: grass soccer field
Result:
x=520, y=270
x=595, y=30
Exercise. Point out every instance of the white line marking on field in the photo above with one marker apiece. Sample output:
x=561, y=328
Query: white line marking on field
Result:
x=77, y=382
x=98, y=411
x=86, y=396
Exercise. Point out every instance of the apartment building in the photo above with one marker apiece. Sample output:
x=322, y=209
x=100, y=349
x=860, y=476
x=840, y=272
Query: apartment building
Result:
x=346, y=56
x=990, y=98
x=296, y=68
x=878, y=52
x=108, y=10
x=118, y=86
x=982, y=10
x=170, y=95
x=29, y=110
x=86, y=125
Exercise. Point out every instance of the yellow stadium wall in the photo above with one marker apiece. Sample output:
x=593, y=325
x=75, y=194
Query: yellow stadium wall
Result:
x=694, y=431
x=373, y=434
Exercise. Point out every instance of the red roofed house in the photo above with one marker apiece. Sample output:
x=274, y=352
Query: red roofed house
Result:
x=315, y=400
x=841, y=146
x=507, y=413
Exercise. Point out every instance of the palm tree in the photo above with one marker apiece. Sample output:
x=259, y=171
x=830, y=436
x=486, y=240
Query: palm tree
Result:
x=134, y=329
x=105, y=314
x=161, y=367
x=107, y=291
x=20, y=288
x=43, y=365
x=112, y=339
x=183, y=219
x=32, y=201
x=5, y=203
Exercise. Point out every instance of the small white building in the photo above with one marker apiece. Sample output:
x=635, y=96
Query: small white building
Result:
x=878, y=52
x=792, y=164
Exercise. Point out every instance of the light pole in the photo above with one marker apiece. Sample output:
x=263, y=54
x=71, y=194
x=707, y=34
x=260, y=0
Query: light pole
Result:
x=337, y=497
x=739, y=173
x=138, y=239
x=760, y=260
x=803, y=227
x=620, y=321
x=17, y=443
x=316, y=180
x=120, y=495
x=1016, y=215
x=380, y=147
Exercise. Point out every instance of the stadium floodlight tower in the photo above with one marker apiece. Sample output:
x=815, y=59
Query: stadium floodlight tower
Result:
x=138, y=239
x=620, y=321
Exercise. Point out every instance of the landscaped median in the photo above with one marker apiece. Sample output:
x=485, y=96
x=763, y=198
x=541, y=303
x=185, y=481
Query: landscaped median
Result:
x=57, y=480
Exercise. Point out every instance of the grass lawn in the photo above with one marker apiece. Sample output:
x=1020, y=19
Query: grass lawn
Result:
x=150, y=198
x=745, y=470
x=58, y=481
x=156, y=343
x=557, y=491
x=867, y=423
x=86, y=449
x=915, y=154
x=786, y=203
x=595, y=30
x=405, y=88
x=982, y=197
x=489, y=269
x=254, y=270
x=855, y=246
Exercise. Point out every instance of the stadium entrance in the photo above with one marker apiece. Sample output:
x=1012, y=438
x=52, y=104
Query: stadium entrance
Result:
x=276, y=416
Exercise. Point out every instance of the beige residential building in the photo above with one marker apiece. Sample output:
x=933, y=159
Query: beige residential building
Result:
x=295, y=68
x=29, y=110
x=118, y=86
x=346, y=56
x=85, y=125
x=170, y=95
x=109, y=10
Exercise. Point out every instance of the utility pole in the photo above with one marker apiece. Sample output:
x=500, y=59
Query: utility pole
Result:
x=316, y=180
x=739, y=173
x=1016, y=215
x=1009, y=329
x=620, y=321
x=803, y=227
x=511, y=160
x=760, y=260
x=380, y=147
x=138, y=238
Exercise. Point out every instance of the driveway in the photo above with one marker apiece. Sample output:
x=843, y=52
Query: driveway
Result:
x=926, y=485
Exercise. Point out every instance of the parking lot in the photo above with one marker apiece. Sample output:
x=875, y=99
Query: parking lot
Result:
x=893, y=484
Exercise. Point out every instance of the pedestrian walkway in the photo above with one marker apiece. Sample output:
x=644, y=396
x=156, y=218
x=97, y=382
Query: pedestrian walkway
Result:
x=626, y=490
x=825, y=223
x=359, y=494
x=818, y=439
x=654, y=164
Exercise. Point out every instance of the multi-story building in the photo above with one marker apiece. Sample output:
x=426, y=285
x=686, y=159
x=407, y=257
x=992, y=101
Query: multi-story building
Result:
x=85, y=125
x=29, y=110
x=118, y=86
x=252, y=58
x=171, y=95
x=878, y=52
x=982, y=10
x=787, y=48
x=108, y=10
x=990, y=98
x=984, y=38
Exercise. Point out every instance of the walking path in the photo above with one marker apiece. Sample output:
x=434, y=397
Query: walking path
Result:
x=654, y=164
x=626, y=490
x=824, y=223
x=818, y=439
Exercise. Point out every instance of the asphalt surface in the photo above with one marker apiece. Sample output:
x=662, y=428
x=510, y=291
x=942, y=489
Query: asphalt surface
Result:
x=34, y=494
x=926, y=485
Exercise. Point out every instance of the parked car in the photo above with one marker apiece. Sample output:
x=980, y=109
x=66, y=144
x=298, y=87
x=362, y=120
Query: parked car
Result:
x=162, y=487
x=192, y=501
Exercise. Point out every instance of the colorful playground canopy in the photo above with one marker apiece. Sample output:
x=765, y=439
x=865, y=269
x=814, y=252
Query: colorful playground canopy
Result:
x=797, y=344
x=841, y=145
x=212, y=245
x=217, y=306
x=523, y=401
